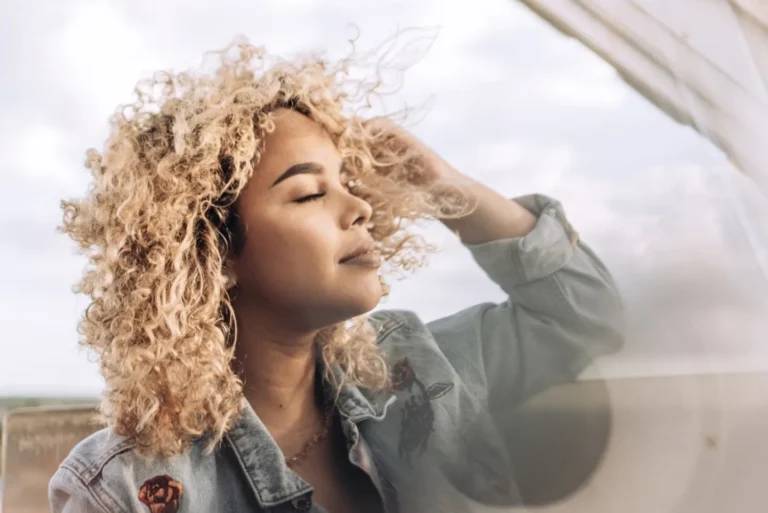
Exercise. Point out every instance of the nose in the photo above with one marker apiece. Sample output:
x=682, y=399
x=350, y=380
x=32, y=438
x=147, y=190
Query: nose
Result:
x=357, y=213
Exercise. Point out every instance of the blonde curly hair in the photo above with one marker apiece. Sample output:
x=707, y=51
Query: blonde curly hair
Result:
x=159, y=220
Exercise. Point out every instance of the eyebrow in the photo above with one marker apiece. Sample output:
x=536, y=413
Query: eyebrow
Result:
x=304, y=168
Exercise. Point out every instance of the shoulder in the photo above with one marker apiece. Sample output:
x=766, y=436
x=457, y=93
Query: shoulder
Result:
x=443, y=347
x=80, y=484
x=445, y=331
x=402, y=333
x=105, y=469
x=386, y=322
x=393, y=319
x=89, y=457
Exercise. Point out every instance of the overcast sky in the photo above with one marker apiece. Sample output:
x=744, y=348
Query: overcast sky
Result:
x=511, y=102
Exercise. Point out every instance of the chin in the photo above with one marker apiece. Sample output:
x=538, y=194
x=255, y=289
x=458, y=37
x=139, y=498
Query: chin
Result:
x=370, y=303
x=366, y=303
x=362, y=300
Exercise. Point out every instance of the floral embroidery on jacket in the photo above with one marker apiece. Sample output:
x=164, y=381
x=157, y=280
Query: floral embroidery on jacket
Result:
x=161, y=494
x=418, y=416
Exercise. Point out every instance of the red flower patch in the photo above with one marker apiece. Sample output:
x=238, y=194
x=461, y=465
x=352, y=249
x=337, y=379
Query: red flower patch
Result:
x=161, y=494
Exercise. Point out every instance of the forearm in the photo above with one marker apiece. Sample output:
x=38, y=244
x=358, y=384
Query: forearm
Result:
x=493, y=216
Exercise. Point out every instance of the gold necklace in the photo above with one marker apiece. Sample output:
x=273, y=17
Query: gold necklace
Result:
x=322, y=434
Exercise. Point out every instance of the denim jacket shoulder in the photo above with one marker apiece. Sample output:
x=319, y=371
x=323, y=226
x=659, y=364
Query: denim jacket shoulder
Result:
x=78, y=483
x=104, y=474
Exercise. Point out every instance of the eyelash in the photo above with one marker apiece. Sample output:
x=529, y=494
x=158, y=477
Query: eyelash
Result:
x=311, y=197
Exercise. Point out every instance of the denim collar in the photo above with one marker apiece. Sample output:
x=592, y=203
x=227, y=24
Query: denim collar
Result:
x=262, y=460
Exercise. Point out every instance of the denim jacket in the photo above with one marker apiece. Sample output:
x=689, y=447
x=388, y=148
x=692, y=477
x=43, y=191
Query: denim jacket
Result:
x=435, y=442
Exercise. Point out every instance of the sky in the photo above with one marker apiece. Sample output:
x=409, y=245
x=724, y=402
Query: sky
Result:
x=507, y=99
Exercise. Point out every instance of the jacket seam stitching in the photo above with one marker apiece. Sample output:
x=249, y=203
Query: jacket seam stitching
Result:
x=91, y=471
x=388, y=330
x=90, y=491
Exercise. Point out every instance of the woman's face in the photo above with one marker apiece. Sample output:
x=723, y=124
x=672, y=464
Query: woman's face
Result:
x=302, y=231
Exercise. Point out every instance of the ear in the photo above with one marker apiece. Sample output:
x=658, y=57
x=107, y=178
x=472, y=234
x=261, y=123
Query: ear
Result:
x=230, y=276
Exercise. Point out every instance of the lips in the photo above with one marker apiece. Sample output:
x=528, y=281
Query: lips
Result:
x=365, y=255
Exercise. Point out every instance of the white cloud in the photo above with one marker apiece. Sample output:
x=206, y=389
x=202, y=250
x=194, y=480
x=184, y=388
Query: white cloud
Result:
x=515, y=165
x=98, y=55
x=37, y=153
x=587, y=90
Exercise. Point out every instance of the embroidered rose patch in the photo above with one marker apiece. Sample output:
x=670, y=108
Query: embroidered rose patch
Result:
x=161, y=494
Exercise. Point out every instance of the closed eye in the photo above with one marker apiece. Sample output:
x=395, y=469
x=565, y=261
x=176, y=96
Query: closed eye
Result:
x=311, y=197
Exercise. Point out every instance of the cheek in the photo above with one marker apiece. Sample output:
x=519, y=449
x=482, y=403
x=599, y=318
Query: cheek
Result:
x=284, y=253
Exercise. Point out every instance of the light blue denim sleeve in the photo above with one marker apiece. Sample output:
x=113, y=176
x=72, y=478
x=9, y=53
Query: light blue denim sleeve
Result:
x=68, y=494
x=563, y=310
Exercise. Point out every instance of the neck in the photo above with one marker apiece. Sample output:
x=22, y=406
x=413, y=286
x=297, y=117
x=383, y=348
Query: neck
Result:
x=278, y=368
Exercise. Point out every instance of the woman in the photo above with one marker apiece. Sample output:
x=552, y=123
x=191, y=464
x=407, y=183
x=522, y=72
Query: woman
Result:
x=236, y=226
